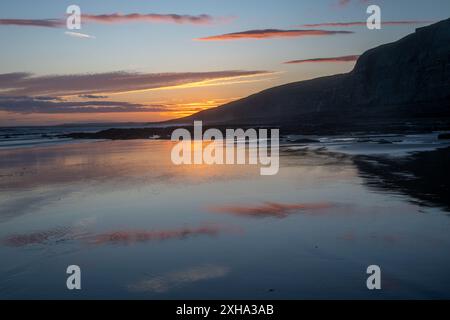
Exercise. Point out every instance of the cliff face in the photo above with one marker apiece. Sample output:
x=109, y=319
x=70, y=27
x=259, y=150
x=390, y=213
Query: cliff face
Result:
x=407, y=79
x=413, y=73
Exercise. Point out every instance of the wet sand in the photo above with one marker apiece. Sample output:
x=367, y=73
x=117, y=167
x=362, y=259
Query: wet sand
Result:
x=140, y=227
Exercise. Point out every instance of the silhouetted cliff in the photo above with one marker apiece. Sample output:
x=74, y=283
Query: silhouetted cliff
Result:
x=407, y=80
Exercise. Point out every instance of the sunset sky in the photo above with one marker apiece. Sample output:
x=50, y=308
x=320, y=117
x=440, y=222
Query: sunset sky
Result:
x=155, y=60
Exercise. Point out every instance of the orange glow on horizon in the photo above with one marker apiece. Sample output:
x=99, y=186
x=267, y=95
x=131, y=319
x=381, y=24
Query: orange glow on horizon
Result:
x=175, y=109
x=204, y=83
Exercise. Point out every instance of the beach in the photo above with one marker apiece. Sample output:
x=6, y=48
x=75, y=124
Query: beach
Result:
x=140, y=227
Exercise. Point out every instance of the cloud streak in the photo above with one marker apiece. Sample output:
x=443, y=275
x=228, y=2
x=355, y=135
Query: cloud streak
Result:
x=115, y=18
x=79, y=35
x=52, y=105
x=271, y=33
x=92, y=96
x=26, y=84
x=46, y=23
x=325, y=60
x=364, y=23
x=150, y=17
x=345, y=3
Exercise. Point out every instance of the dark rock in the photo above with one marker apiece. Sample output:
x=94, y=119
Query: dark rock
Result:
x=384, y=141
x=444, y=136
x=304, y=141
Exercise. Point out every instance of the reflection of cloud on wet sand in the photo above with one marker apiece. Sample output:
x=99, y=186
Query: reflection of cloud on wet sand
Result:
x=19, y=204
x=173, y=280
x=271, y=209
x=50, y=236
x=61, y=234
x=389, y=239
x=138, y=236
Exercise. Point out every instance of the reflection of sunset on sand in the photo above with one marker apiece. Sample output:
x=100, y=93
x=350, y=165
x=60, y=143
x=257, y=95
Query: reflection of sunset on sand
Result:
x=176, y=229
x=100, y=161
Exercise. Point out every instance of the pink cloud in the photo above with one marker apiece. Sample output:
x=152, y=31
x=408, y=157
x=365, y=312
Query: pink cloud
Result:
x=18, y=84
x=271, y=33
x=343, y=3
x=364, y=23
x=150, y=17
x=201, y=19
x=322, y=60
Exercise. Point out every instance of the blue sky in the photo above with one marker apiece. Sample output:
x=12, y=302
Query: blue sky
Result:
x=164, y=47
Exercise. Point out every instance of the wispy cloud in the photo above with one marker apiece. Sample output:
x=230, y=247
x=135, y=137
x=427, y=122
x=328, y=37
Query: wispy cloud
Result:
x=364, y=23
x=47, y=23
x=345, y=3
x=151, y=17
x=49, y=105
x=271, y=33
x=92, y=96
x=26, y=84
x=201, y=19
x=322, y=60
x=79, y=35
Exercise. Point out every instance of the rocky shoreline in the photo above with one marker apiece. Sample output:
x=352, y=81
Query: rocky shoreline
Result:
x=374, y=127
